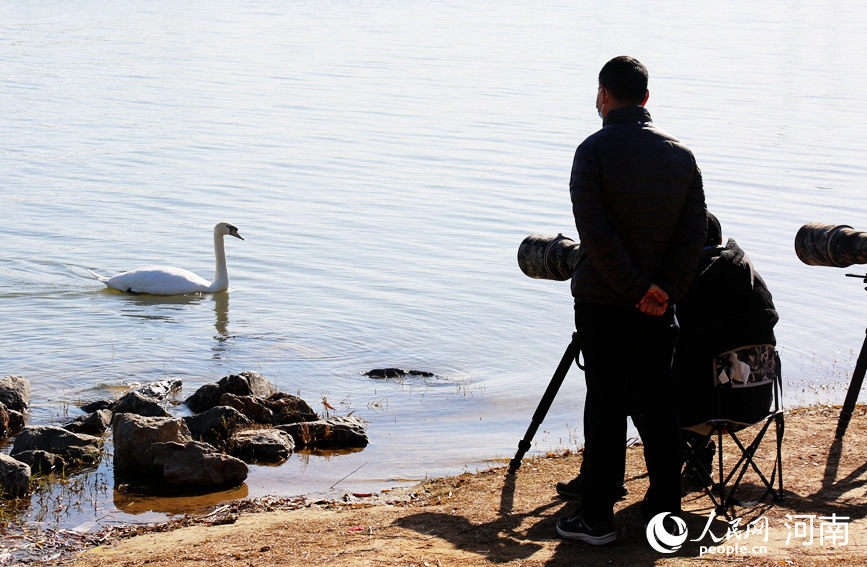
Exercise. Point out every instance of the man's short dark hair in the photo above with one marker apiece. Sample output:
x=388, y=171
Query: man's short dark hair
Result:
x=625, y=78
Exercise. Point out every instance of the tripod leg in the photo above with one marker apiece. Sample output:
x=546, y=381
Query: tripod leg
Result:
x=852, y=393
x=545, y=402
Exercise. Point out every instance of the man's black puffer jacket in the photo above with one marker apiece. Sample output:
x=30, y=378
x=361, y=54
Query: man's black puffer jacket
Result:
x=639, y=207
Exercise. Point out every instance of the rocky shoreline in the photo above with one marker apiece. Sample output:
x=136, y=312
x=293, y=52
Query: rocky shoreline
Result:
x=236, y=421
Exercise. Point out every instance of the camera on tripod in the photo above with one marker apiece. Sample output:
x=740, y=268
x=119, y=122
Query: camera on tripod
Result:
x=838, y=246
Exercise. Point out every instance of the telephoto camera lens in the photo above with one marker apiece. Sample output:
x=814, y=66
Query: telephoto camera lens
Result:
x=836, y=245
x=548, y=257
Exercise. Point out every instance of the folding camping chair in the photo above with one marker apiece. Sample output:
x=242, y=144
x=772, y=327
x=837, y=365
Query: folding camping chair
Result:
x=747, y=392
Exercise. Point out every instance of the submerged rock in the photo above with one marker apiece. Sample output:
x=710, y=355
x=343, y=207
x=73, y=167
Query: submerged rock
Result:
x=216, y=425
x=15, y=392
x=41, y=462
x=331, y=433
x=246, y=383
x=382, y=373
x=134, y=435
x=14, y=477
x=261, y=445
x=74, y=448
x=92, y=424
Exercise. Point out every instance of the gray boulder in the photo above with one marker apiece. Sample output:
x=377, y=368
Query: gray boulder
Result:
x=15, y=392
x=135, y=435
x=331, y=433
x=198, y=466
x=159, y=390
x=92, y=424
x=216, y=425
x=14, y=477
x=261, y=445
x=41, y=462
x=246, y=383
x=74, y=448
x=134, y=402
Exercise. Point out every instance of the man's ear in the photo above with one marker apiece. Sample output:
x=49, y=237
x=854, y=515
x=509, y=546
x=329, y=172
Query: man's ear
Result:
x=646, y=96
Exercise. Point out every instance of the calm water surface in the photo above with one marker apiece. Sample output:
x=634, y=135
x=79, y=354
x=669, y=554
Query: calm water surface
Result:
x=383, y=162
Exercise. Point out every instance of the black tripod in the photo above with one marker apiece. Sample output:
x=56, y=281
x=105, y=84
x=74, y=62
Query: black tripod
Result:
x=855, y=384
x=569, y=356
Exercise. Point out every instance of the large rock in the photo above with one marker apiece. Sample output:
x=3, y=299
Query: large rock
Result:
x=251, y=407
x=159, y=390
x=134, y=402
x=41, y=462
x=261, y=445
x=198, y=466
x=331, y=433
x=135, y=435
x=289, y=409
x=92, y=424
x=75, y=448
x=277, y=409
x=15, y=392
x=14, y=477
x=246, y=383
x=216, y=425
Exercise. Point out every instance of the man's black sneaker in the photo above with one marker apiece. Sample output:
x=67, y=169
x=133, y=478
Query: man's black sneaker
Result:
x=572, y=490
x=574, y=527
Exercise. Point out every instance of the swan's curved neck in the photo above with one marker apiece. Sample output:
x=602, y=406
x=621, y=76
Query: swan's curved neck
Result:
x=221, y=273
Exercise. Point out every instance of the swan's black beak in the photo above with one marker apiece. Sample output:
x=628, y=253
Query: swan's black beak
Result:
x=233, y=231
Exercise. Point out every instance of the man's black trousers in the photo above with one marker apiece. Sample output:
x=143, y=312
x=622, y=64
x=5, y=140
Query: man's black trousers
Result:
x=627, y=359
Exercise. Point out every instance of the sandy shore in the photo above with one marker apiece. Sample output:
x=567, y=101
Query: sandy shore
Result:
x=488, y=518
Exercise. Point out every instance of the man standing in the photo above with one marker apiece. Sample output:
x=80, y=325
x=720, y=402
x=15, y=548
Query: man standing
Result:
x=639, y=207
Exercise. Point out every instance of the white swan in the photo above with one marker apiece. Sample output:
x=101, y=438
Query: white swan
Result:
x=164, y=280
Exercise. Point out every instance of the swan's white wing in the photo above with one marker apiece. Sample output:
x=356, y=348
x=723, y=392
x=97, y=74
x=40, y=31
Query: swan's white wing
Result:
x=158, y=280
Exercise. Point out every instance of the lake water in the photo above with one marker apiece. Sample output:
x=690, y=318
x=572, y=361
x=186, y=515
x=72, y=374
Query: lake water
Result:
x=383, y=161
